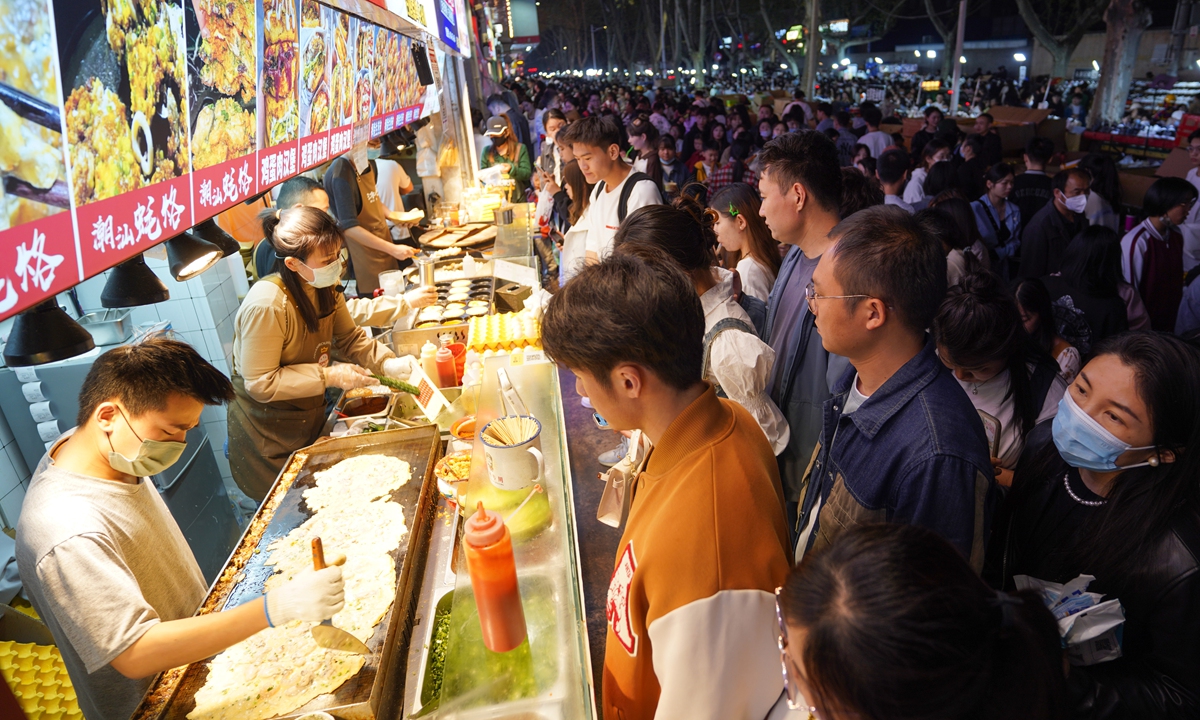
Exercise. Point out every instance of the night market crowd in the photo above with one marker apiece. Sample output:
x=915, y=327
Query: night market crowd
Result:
x=878, y=398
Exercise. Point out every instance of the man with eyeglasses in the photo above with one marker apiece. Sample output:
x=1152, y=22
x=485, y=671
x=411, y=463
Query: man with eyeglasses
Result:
x=901, y=442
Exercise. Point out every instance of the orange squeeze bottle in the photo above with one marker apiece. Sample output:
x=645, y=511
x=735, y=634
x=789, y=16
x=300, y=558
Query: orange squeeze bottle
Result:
x=494, y=580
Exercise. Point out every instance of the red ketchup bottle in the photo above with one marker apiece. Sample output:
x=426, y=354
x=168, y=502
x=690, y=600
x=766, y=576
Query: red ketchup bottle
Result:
x=494, y=580
x=445, y=367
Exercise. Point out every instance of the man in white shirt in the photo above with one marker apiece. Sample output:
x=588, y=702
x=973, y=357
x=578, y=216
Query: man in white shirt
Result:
x=596, y=144
x=892, y=171
x=875, y=139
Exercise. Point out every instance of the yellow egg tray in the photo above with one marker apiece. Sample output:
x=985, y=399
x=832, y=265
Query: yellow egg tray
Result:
x=505, y=331
x=38, y=678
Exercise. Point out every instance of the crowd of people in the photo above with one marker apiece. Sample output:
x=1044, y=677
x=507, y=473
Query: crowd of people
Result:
x=872, y=383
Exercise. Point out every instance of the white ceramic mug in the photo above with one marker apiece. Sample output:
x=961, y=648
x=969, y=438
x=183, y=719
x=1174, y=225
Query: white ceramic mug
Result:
x=513, y=467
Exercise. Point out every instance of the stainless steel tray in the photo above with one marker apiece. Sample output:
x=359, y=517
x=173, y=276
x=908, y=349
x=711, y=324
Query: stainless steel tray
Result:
x=379, y=685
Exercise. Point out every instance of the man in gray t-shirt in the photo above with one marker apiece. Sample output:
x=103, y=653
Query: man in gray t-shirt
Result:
x=100, y=556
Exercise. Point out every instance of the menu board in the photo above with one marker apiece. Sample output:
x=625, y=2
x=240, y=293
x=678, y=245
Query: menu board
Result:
x=125, y=122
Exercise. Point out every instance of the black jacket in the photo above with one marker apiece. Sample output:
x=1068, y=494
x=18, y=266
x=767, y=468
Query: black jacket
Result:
x=1158, y=675
x=1045, y=238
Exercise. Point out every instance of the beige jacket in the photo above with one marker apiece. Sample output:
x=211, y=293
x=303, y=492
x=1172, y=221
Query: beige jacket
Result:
x=382, y=311
x=266, y=347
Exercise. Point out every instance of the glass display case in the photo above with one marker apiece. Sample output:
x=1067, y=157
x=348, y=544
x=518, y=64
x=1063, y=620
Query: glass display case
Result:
x=450, y=672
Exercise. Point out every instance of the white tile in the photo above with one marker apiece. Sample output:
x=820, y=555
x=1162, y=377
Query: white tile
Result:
x=18, y=461
x=144, y=314
x=218, y=307
x=9, y=478
x=195, y=338
x=196, y=285
x=215, y=275
x=204, y=316
x=182, y=314
x=217, y=433
x=212, y=414
x=6, y=434
x=10, y=506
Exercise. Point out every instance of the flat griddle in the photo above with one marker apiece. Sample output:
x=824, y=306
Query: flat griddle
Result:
x=379, y=684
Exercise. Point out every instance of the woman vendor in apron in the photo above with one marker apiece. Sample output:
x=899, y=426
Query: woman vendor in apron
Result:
x=287, y=329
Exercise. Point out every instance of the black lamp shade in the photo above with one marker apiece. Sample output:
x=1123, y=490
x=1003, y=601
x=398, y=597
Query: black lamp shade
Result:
x=45, y=333
x=133, y=283
x=209, y=230
x=189, y=256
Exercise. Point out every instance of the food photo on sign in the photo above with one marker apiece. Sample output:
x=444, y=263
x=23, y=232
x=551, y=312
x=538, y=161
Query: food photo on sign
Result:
x=314, y=68
x=364, y=54
x=280, y=122
x=33, y=176
x=342, y=74
x=223, y=68
x=125, y=82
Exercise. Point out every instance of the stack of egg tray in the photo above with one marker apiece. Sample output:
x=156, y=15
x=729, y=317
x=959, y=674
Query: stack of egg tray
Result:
x=503, y=332
x=38, y=679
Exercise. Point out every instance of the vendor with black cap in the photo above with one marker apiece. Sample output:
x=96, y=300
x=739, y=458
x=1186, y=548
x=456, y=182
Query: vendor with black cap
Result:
x=509, y=154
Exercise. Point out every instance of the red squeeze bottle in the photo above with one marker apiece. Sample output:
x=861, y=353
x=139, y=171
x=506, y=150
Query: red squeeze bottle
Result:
x=494, y=580
x=445, y=367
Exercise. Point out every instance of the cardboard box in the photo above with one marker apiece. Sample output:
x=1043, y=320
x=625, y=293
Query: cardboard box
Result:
x=1134, y=184
x=1177, y=164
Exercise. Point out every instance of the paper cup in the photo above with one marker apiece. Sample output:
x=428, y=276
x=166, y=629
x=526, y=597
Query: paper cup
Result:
x=513, y=467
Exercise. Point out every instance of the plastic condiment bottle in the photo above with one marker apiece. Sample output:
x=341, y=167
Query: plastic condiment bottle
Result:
x=494, y=580
x=446, y=376
x=429, y=361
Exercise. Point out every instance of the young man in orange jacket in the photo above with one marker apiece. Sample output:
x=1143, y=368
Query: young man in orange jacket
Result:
x=691, y=610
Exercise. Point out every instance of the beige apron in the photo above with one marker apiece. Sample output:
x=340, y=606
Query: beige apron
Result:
x=368, y=263
x=263, y=435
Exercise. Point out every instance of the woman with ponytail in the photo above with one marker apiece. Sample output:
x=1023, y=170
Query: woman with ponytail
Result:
x=1012, y=382
x=890, y=623
x=736, y=361
x=286, y=331
x=1116, y=496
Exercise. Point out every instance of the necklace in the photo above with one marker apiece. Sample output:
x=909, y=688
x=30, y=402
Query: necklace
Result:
x=1076, y=498
x=975, y=388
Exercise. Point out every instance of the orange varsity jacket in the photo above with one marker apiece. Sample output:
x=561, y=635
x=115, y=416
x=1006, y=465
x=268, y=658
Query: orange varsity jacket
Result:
x=691, y=606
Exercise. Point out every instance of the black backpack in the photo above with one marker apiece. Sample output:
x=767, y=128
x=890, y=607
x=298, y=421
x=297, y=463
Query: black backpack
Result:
x=627, y=190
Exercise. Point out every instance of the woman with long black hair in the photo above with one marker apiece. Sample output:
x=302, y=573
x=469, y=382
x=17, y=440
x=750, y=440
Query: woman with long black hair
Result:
x=1116, y=497
x=1012, y=383
x=890, y=623
x=745, y=238
x=286, y=331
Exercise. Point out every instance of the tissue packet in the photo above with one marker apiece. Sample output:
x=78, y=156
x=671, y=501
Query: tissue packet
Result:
x=1091, y=630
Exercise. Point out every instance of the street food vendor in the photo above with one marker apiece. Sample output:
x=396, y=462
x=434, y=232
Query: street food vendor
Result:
x=100, y=556
x=354, y=201
x=383, y=311
x=287, y=330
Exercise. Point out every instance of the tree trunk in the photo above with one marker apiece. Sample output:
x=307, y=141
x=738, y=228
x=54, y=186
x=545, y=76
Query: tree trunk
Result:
x=1126, y=20
x=1060, y=47
x=948, y=33
x=779, y=47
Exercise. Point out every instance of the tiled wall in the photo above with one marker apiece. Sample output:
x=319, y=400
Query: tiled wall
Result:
x=201, y=312
x=14, y=476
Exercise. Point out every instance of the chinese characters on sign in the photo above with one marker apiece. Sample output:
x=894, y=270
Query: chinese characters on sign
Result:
x=113, y=230
x=314, y=150
x=277, y=164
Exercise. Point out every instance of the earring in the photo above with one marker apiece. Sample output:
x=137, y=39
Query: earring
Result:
x=1153, y=461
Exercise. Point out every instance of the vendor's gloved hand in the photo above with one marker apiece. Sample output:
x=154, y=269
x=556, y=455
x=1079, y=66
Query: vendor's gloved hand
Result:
x=400, y=368
x=312, y=596
x=347, y=376
x=423, y=296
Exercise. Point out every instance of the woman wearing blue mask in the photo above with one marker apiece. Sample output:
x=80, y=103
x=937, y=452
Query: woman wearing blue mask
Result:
x=286, y=330
x=1116, y=496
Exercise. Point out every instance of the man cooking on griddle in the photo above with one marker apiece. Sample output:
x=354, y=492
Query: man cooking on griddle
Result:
x=102, y=559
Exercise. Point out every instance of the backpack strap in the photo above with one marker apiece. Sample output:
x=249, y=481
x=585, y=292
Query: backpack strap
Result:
x=728, y=323
x=627, y=190
x=1041, y=380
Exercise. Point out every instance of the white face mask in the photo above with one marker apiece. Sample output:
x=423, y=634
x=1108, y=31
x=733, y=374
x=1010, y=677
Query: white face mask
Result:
x=152, y=457
x=327, y=276
x=1075, y=204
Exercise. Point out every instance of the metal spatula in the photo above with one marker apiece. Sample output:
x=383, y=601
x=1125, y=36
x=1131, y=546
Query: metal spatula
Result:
x=325, y=634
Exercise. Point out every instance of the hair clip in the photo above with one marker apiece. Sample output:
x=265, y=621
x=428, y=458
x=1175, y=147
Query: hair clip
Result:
x=733, y=212
x=277, y=213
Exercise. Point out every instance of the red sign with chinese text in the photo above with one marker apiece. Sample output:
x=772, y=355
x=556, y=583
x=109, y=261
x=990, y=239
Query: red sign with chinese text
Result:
x=220, y=186
x=37, y=261
x=114, y=230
